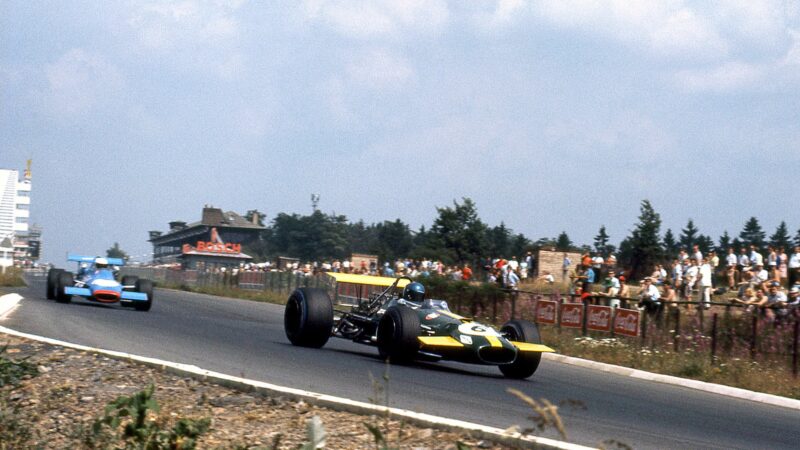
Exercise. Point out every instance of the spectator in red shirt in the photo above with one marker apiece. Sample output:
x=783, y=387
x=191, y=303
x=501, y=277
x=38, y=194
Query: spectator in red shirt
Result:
x=466, y=273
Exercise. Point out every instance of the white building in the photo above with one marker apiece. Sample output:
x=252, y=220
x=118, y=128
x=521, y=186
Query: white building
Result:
x=15, y=205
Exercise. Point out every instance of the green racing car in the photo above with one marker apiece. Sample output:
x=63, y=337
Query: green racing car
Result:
x=405, y=326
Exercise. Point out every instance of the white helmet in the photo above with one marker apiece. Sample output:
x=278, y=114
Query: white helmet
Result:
x=100, y=263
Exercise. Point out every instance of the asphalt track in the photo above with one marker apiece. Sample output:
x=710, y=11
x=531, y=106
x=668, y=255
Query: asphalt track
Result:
x=246, y=339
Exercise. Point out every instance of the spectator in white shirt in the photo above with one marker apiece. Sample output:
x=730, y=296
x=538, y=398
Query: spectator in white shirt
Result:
x=731, y=272
x=705, y=280
x=756, y=258
x=744, y=260
x=794, y=267
x=697, y=254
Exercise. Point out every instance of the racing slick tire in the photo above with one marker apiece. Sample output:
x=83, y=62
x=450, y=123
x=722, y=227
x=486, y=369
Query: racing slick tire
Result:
x=398, y=330
x=308, y=317
x=145, y=287
x=527, y=362
x=129, y=280
x=65, y=280
x=52, y=283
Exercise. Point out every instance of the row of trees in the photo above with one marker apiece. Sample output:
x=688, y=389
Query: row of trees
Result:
x=458, y=235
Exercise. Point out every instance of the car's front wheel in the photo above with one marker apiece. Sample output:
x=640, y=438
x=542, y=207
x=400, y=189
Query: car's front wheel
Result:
x=308, y=317
x=52, y=283
x=145, y=287
x=398, y=330
x=526, y=363
x=65, y=280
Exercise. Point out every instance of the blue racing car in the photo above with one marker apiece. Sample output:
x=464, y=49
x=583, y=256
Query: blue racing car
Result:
x=96, y=280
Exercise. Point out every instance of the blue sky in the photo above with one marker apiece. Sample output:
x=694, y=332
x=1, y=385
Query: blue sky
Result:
x=551, y=115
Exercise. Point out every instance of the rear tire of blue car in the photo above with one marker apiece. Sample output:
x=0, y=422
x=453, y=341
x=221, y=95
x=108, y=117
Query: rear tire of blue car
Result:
x=308, y=317
x=145, y=287
x=65, y=280
x=398, y=330
x=52, y=283
x=527, y=362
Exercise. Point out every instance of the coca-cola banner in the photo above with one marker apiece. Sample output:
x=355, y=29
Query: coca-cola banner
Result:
x=572, y=315
x=598, y=317
x=626, y=321
x=546, y=311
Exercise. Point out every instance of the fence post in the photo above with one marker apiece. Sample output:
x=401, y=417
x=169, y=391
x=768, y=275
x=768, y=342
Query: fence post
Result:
x=584, y=328
x=677, y=336
x=713, y=338
x=753, y=337
x=644, y=326
x=794, y=346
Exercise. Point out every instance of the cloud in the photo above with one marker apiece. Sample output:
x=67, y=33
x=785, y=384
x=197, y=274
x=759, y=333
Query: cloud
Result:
x=80, y=81
x=727, y=77
x=365, y=20
x=380, y=69
x=668, y=29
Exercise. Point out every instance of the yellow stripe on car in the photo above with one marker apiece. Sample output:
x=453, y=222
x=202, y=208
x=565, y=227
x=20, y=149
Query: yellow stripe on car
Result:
x=440, y=341
x=528, y=347
x=493, y=341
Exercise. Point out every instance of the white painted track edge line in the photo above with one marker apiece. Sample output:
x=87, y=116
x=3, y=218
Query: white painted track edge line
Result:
x=728, y=391
x=337, y=403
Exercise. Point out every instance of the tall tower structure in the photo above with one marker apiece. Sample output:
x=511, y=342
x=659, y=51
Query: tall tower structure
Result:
x=15, y=205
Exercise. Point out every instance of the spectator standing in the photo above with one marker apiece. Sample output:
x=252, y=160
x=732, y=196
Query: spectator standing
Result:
x=705, y=279
x=744, y=260
x=772, y=263
x=529, y=261
x=794, y=267
x=514, y=263
x=731, y=261
x=713, y=260
x=783, y=265
x=756, y=258
x=466, y=273
x=690, y=278
x=565, y=264
x=682, y=255
x=612, y=288
x=697, y=255
x=676, y=274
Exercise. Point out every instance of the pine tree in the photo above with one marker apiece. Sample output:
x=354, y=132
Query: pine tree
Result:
x=705, y=243
x=563, y=243
x=642, y=249
x=670, y=246
x=601, y=245
x=752, y=234
x=724, y=243
x=781, y=237
x=689, y=236
x=797, y=238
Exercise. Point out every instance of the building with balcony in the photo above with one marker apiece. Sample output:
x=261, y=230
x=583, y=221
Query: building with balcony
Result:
x=213, y=242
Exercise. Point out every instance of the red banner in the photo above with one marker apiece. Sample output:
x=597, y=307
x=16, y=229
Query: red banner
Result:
x=626, y=321
x=546, y=311
x=572, y=315
x=598, y=318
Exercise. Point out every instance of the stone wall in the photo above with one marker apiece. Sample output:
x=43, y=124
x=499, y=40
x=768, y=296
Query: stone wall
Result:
x=552, y=261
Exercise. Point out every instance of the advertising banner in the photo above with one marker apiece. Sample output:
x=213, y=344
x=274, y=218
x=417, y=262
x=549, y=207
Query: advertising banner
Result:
x=626, y=322
x=546, y=311
x=598, y=318
x=572, y=315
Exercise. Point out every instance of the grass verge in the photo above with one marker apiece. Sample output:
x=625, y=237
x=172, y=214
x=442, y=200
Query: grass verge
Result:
x=12, y=277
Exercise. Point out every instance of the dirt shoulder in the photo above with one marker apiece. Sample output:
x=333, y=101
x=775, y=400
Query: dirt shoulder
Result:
x=56, y=408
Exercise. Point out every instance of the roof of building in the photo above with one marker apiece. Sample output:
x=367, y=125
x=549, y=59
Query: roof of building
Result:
x=216, y=218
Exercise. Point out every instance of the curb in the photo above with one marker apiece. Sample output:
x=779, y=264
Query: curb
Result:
x=512, y=439
x=720, y=389
x=8, y=303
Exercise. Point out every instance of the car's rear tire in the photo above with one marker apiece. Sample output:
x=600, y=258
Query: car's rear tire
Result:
x=52, y=283
x=65, y=280
x=527, y=362
x=145, y=287
x=398, y=330
x=308, y=317
x=129, y=280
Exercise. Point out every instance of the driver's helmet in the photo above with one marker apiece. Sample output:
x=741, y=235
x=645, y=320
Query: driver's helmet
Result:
x=100, y=263
x=414, y=292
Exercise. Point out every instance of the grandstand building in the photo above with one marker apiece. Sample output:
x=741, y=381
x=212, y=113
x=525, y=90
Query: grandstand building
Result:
x=213, y=242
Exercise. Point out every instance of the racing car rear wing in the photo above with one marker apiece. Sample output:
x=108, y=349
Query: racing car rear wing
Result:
x=368, y=280
x=90, y=259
